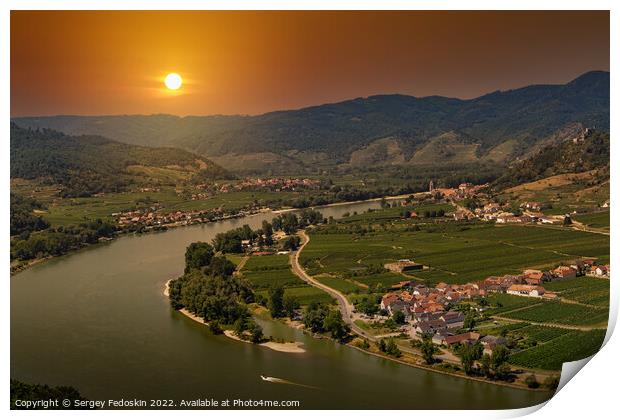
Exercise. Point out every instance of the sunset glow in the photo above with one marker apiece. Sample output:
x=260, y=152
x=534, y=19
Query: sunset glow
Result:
x=173, y=81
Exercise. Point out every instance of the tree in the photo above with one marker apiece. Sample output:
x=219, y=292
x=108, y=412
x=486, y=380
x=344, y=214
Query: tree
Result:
x=502, y=371
x=532, y=382
x=367, y=306
x=220, y=266
x=334, y=323
x=470, y=321
x=198, y=255
x=314, y=315
x=382, y=345
x=428, y=350
x=499, y=356
x=469, y=353
x=276, y=303
x=392, y=349
x=239, y=327
x=267, y=230
x=290, y=305
x=398, y=317
x=256, y=333
x=485, y=366
x=214, y=327
x=291, y=243
x=567, y=221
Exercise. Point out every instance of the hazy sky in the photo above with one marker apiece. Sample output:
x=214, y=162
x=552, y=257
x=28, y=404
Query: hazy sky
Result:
x=254, y=62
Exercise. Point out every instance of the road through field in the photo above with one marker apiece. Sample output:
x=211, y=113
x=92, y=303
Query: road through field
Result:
x=346, y=308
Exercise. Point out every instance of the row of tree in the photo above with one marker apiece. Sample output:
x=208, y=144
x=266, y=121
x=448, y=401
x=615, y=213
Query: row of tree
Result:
x=60, y=240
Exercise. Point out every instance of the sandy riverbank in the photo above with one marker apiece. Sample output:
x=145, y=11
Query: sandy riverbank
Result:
x=291, y=347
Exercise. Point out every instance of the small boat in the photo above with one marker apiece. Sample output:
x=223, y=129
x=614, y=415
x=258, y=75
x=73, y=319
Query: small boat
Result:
x=265, y=378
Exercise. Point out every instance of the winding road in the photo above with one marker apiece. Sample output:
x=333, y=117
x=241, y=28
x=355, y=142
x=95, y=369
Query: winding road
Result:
x=346, y=308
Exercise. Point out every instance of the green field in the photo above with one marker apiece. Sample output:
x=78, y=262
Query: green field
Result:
x=562, y=313
x=594, y=220
x=567, y=347
x=339, y=284
x=587, y=290
x=267, y=262
x=305, y=294
x=266, y=271
x=501, y=302
x=455, y=254
x=541, y=333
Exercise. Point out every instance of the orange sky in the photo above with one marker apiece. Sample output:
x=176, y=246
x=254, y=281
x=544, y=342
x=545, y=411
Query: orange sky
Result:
x=92, y=63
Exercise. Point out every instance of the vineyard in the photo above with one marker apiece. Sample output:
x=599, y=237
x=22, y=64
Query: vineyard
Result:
x=572, y=346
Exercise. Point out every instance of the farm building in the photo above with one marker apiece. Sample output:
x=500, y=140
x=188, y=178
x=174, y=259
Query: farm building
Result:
x=401, y=266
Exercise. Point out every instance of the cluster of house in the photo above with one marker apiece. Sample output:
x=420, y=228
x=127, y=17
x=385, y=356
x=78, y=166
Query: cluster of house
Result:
x=271, y=184
x=428, y=309
x=464, y=190
x=425, y=309
x=151, y=217
x=492, y=211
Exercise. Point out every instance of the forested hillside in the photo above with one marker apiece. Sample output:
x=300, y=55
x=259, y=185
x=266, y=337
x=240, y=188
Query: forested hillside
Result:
x=86, y=165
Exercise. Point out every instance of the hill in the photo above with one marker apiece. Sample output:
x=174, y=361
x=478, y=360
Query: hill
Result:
x=585, y=152
x=86, y=165
x=496, y=127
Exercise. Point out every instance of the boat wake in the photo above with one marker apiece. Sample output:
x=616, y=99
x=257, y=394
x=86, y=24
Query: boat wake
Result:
x=285, y=382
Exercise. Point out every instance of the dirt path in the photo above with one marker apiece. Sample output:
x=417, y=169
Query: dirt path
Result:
x=241, y=264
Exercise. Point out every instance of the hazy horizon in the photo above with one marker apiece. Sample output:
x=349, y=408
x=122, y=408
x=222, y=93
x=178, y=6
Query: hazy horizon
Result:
x=302, y=107
x=252, y=63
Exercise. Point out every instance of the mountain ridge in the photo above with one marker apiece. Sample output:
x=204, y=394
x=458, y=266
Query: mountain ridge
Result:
x=329, y=135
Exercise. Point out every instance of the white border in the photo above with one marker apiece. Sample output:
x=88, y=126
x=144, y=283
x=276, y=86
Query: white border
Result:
x=592, y=393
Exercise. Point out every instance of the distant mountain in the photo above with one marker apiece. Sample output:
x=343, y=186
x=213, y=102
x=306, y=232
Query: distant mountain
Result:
x=85, y=165
x=382, y=129
x=587, y=151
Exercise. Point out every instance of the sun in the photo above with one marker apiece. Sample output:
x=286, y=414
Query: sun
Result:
x=173, y=81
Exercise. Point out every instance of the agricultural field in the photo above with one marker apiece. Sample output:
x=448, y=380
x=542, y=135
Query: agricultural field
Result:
x=344, y=286
x=594, y=220
x=274, y=270
x=571, y=346
x=561, y=313
x=455, y=253
x=500, y=328
x=502, y=302
x=267, y=262
x=541, y=334
x=586, y=290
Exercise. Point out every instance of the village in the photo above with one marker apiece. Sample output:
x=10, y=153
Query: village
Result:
x=152, y=218
x=434, y=311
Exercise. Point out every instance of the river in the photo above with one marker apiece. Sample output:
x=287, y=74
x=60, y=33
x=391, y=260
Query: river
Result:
x=97, y=320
